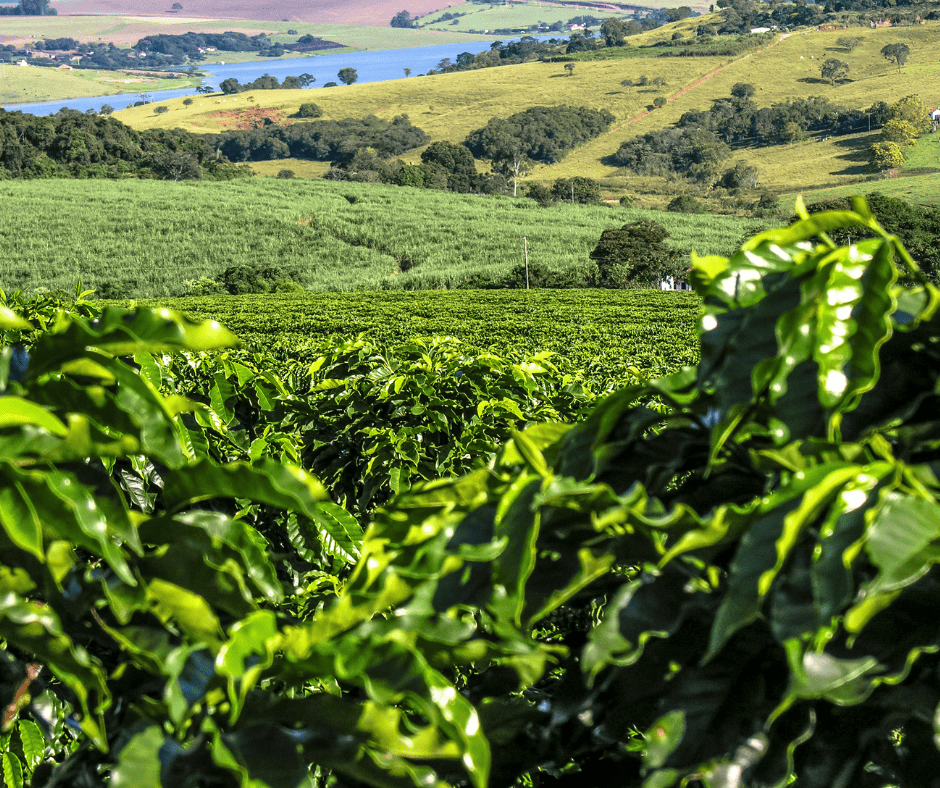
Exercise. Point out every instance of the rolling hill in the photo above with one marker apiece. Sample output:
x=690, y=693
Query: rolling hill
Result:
x=448, y=106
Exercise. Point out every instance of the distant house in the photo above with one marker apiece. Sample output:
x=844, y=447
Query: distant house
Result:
x=22, y=63
x=934, y=114
x=760, y=29
x=880, y=23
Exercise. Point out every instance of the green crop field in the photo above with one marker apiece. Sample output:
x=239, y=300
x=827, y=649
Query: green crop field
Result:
x=605, y=333
x=448, y=106
x=147, y=238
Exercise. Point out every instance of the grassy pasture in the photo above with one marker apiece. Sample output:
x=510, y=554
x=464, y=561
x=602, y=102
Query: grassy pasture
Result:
x=448, y=106
x=147, y=238
x=918, y=189
x=35, y=83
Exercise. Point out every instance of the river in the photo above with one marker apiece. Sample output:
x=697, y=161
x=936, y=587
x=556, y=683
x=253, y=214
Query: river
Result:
x=370, y=66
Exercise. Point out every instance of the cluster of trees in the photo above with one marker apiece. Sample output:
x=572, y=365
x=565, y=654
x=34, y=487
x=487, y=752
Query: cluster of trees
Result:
x=28, y=8
x=636, y=255
x=444, y=165
x=579, y=190
x=739, y=16
x=917, y=227
x=73, y=144
x=539, y=134
x=500, y=53
x=187, y=46
x=702, y=139
x=907, y=120
x=266, y=82
x=402, y=19
x=324, y=140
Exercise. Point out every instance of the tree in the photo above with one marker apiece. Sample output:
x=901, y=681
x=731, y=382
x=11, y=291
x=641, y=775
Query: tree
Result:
x=900, y=132
x=896, y=53
x=407, y=72
x=834, y=70
x=886, y=155
x=628, y=84
x=306, y=79
x=188, y=101
x=347, y=75
x=177, y=6
x=578, y=189
x=686, y=203
x=659, y=102
x=635, y=255
x=106, y=109
x=456, y=160
x=205, y=89
x=848, y=43
x=309, y=110
x=743, y=90
x=402, y=19
x=913, y=110
x=614, y=31
x=230, y=86
x=161, y=109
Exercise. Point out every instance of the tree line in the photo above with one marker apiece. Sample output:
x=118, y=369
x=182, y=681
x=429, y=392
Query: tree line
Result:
x=702, y=139
x=323, y=140
x=72, y=144
x=187, y=46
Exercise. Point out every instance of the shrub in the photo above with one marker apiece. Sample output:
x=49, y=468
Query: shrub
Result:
x=626, y=201
x=204, y=286
x=685, y=203
x=310, y=110
x=659, y=102
x=188, y=101
x=285, y=174
x=160, y=109
x=541, y=193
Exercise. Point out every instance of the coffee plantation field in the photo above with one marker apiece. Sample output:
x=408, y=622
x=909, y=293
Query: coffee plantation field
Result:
x=149, y=239
x=610, y=335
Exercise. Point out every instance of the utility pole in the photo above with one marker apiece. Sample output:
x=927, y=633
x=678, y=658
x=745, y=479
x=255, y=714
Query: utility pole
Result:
x=525, y=250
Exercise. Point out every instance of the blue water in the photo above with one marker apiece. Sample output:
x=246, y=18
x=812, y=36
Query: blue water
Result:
x=371, y=67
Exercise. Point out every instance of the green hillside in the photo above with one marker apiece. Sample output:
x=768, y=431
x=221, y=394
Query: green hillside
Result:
x=153, y=238
x=448, y=106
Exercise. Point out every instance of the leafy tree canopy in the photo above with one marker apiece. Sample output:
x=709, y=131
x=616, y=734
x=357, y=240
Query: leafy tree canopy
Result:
x=542, y=134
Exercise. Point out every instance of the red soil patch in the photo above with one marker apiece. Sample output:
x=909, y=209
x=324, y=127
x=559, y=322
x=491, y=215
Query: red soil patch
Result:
x=337, y=12
x=247, y=119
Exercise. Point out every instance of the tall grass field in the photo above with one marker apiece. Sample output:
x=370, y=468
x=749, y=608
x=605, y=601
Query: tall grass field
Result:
x=141, y=239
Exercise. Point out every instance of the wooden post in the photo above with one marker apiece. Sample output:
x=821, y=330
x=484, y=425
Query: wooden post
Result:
x=525, y=249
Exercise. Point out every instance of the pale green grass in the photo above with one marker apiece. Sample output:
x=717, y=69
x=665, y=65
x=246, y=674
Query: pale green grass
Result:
x=448, y=106
x=19, y=84
x=147, y=238
x=917, y=189
x=924, y=153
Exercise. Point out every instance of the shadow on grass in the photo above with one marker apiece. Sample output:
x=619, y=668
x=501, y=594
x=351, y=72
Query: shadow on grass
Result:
x=855, y=154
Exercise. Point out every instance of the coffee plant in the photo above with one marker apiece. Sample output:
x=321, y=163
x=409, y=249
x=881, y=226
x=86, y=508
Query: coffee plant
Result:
x=723, y=577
